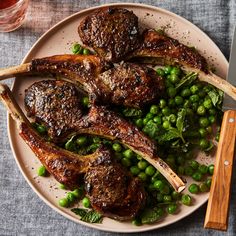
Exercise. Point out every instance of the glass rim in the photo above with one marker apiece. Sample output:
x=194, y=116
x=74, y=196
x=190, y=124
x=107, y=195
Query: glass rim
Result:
x=13, y=6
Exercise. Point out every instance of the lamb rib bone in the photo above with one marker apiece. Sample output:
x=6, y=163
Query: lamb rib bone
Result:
x=126, y=84
x=121, y=198
x=56, y=104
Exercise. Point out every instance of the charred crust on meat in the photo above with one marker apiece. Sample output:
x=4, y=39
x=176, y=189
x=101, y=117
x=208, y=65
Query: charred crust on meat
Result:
x=111, y=32
x=157, y=45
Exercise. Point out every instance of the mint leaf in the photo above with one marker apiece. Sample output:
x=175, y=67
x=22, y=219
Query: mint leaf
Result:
x=180, y=120
x=172, y=133
x=216, y=97
x=89, y=216
x=132, y=112
x=151, y=215
x=80, y=211
x=187, y=80
x=92, y=217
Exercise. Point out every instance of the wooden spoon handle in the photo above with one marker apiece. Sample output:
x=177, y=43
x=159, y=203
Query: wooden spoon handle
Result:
x=218, y=204
x=14, y=71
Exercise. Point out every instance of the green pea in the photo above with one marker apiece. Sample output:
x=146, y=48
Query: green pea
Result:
x=118, y=155
x=62, y=186
x=167, y=198
x=175, y=71
x=201, y=94
x=185, y=92
x=139, y=122
x=212, y=119
x=70, y=145
x=208, y=183
x=42, y=171
x=209, y=129
x=86, y=202
x=172, y=118
x=203, y=187
x=187, y=104
x=171, y=209
x=85, y=101
x=194, y=89
x=166, y=124
x=142, y=176
x=145, y=121
x=78, y=193
x=63, y=202
x=128, y=153
x=165, y=190
x=171, y=102
x=203, y=122
x=76, y=48
x=150, y=170
x=134, y=170
x=168, y=83
x=158, y=184
x=207, y=104
x=194, y=164
x=81, y=141
x=126, y=162
x=203, y=169
x=201, y=110
x=175, y=195
x=186, y=199
x=70, y=197
x=165, y=111
x=202, y=132
x=174, y=79
x=194, y=98
x=142, y=165
x=41, y=129
x=211, y=169
x=193, y=188
x=167, y=69
x=149, y=116
x=181, y=170
x=204, y=144
x=162, y=103
x=194, y=106
x=171, y=92
x=160, y=72
x=117, y=147
x=86, y=51
x=179, y=100
x=137, y=222
x=188, y=171
x=160, y=197
x=154, y=109
x=212, y=111
x=189, y=111
x=157, y=119
x=197, y=176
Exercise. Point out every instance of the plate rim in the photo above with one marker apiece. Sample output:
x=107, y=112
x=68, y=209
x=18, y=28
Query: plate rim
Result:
x=9, y=119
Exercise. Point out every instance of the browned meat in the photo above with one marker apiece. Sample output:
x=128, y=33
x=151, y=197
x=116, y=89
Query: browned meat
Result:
x=168, y=50
x=126, y=84
x=98, y=121
x=111, y=32
x=59, y=106
x=101, y=171
x=131, y=85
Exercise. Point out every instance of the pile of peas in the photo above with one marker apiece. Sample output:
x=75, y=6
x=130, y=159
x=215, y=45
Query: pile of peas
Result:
x=201, y=116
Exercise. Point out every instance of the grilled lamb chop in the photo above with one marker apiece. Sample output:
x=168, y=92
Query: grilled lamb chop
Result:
x=40, y=103
x=157, y=48
x=111, y=189
x=126, y=84
x=111, y=32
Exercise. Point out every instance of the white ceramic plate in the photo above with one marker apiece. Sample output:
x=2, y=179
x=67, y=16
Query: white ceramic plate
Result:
x=58, y=40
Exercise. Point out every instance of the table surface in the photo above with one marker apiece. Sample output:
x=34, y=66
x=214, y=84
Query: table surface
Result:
x=22, y=212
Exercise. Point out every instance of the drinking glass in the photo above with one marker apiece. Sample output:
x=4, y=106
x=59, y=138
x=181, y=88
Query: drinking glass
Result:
x=13, y=16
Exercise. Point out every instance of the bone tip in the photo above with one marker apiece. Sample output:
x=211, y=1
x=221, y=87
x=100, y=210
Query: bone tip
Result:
x=181, y=188
x=3, y=88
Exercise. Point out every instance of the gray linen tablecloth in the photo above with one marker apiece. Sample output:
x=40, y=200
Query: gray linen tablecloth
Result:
x=22, y=212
